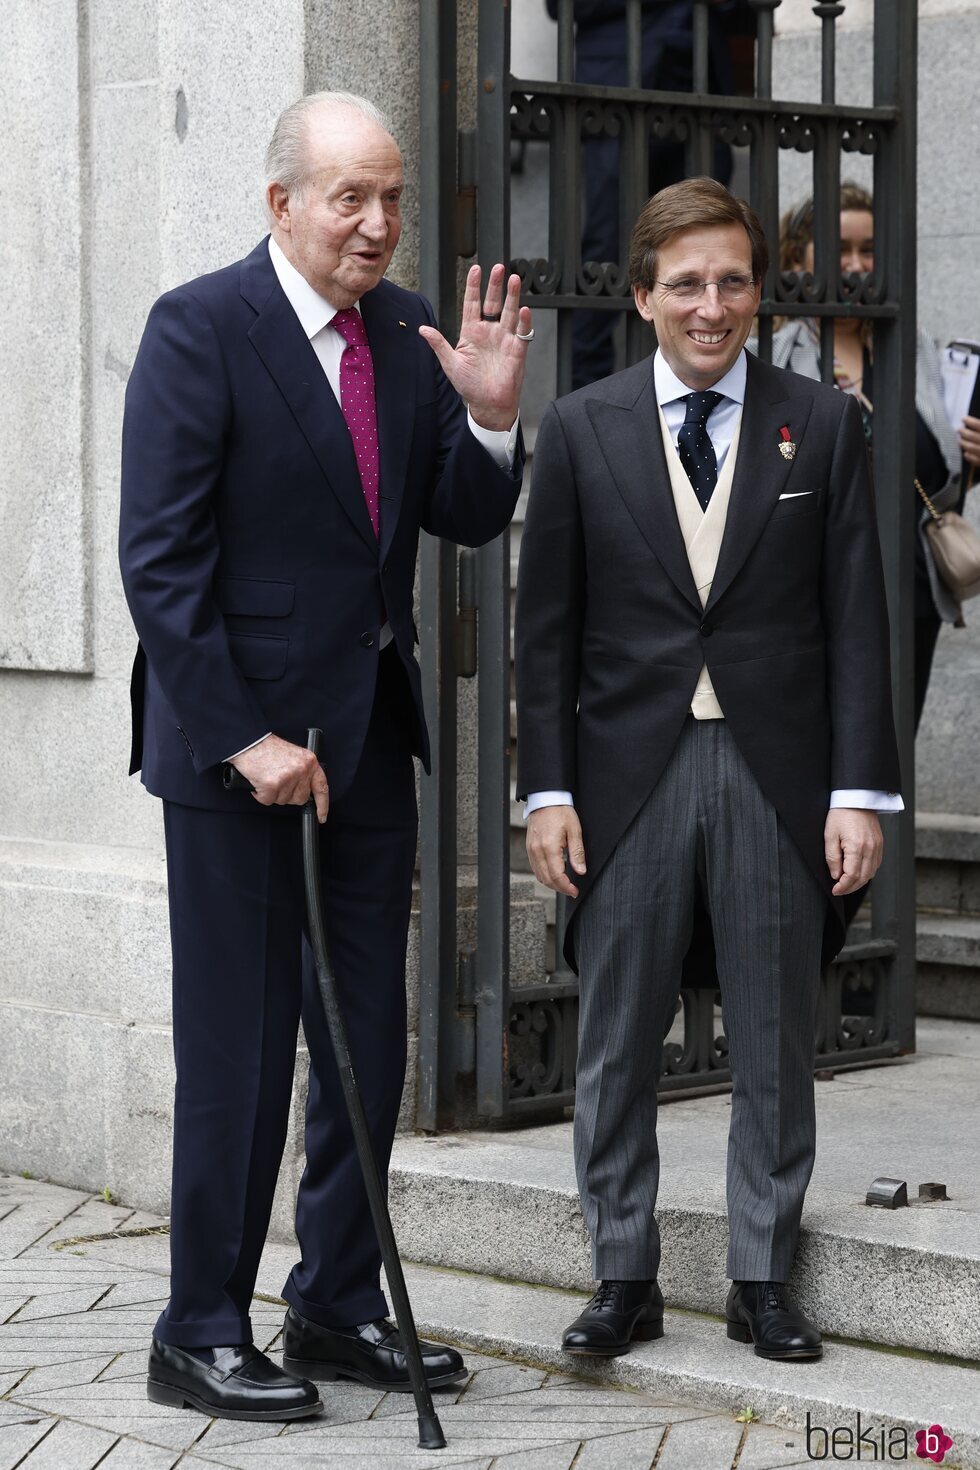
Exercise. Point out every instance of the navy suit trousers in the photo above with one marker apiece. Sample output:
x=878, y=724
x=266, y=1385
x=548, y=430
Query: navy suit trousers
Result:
x=243, y=976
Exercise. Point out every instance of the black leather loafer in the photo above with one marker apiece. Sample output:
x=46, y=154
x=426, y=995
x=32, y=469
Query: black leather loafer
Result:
x=372, y=1353
x=621, y=1312
x=241, y=1383
x=763, y=1313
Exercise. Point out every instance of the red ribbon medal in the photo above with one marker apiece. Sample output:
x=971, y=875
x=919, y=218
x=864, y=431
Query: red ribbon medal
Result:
x=786, y=446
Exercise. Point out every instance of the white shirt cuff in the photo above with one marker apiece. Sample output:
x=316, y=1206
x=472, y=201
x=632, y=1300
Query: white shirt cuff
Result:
x=546, y=798
x=500, y=444
x=872, y=801
x=247, y=747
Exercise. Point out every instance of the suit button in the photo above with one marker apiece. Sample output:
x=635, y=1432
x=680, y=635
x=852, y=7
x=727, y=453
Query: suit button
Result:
x=707, y=628
x=367, y=640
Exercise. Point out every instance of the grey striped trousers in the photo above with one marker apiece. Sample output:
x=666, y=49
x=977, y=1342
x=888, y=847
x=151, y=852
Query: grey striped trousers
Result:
x=706, y=820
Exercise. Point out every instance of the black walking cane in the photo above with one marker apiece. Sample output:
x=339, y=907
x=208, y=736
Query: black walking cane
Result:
x=431, y=1436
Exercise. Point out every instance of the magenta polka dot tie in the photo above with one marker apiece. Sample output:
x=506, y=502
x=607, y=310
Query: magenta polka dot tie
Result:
x=357, y=404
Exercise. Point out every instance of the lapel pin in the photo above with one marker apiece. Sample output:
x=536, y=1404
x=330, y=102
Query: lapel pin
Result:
x=403, y=324
x=786, y=446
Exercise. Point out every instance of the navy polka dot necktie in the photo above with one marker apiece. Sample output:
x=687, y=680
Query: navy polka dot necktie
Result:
x=697, y=453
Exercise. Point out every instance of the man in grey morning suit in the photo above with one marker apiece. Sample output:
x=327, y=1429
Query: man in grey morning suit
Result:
x=703, y=707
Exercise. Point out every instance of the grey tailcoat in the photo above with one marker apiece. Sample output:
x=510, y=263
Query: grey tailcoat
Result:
x=611, y=636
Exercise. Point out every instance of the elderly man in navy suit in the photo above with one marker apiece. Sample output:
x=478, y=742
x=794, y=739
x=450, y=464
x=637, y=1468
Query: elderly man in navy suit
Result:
x=292, y=421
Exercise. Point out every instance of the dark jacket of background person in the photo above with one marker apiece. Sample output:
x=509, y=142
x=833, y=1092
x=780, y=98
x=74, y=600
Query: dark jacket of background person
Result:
x=795, y=347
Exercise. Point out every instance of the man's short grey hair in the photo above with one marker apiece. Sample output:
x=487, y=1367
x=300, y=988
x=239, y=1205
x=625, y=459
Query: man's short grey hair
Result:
x=287, y=156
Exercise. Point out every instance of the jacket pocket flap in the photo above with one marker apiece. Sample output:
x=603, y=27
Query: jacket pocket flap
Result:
x=254, y=597
x=259, y=656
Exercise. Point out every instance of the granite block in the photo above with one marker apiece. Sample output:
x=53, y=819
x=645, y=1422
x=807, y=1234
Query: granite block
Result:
x=947, y=990
x=18, y=1440
x=123, y=42
x=89, y=1098
x=80, y=1446
x=347, y=50
x=937, y=886
x=44, y=566
x=123, y=970
x=215, y=123
x=947, y=836
x=64, y=778
x=125, y=277
x=688, y=1446
x=133, y=1454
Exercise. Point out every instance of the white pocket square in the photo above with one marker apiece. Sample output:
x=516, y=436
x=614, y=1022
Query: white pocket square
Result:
x=795, y=494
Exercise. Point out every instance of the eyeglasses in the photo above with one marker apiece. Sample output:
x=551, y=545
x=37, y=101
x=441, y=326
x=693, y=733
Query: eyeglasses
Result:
x=689, y=288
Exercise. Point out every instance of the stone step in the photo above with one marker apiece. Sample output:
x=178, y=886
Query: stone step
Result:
x=505, y=1203
x=694, y=1362
x=947, y=862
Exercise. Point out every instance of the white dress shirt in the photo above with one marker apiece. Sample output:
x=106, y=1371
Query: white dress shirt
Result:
x=671, y=394
x=315, y=316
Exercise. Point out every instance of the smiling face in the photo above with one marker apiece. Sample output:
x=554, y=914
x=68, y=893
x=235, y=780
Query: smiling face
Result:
x=700, y=339
x=341, y=228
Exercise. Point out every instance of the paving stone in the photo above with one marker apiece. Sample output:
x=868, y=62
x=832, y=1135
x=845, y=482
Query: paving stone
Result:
x=131, y=1364
x=64, y=1375
x=17, y=1439
x=71, y=1446
x=554, y=1457
x=635, y=1450
x=766, y=1448
x=391, y=1405
x=407, y=1458
x=94, y=1216
x=11, y=1413
x=348, y=1403
x=138, y=1292
x=175, y=1429
x=61, y=1303
x=225, y=1434
x=506, y=1379
x=133, y=1454
x=695, y=1445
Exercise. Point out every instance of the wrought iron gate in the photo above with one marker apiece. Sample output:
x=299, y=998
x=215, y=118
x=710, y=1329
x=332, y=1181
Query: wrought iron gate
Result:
x=486, y=1050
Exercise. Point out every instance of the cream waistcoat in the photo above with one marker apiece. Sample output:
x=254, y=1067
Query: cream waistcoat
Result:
x=702, y=531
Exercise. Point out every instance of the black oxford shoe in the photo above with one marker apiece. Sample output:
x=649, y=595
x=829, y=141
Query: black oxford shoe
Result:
x=621, y=1312
x=372, y=1353
x=762, y=1312
x=241, y=1383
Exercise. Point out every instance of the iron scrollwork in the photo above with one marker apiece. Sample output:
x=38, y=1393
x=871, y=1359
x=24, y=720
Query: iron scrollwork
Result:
x=542, y=1040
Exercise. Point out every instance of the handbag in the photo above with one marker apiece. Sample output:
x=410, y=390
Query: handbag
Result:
x=955, y=548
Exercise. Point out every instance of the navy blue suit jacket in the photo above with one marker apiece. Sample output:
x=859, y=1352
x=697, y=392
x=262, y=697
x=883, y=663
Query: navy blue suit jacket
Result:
x=254, y=577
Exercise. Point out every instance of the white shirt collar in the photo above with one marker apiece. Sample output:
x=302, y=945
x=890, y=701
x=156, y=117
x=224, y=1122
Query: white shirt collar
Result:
x=313, y=311
x=668, y=386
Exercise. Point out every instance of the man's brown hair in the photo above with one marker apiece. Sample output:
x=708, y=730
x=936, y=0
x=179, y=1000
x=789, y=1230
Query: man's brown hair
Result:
x=691, y=204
